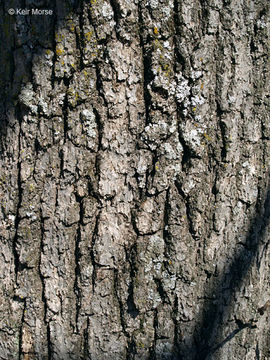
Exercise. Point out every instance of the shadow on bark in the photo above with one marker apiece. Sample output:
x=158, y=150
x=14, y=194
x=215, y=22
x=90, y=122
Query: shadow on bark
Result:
x=216, y=311
x=22, y=37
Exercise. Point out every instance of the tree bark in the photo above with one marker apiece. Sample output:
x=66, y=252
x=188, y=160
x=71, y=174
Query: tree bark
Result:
x=134, y=183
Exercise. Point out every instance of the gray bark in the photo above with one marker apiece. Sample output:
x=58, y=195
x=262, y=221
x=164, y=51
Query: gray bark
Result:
x=134, y=183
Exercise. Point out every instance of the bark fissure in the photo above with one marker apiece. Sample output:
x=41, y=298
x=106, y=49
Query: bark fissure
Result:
x=19, y=203
x=92, y=252
x=80, y=41
x=166, y=216
x=120, y=303
x=86, y=352
x=100, y=128
x=78, y=255
x=20, y=352
x=54, y=58
x=188, y=153
x=49, y=343
x=131, y=350
x=131, y=258
x=42, y=278
x=153, y=347
x=223, y=131
x=65, y=110
x=176, y=331
x=146, y=61
x=117, y=16
x=188, y=209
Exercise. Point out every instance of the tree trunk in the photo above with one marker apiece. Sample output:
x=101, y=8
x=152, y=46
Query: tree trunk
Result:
x=134, y=180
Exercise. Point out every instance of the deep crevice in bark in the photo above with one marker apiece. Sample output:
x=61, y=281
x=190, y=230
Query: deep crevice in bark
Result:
x=131, y=350
x=20, y=353
x=42, y=278
x=131, y=258
x=117, y=16
x=162, y=293
x=179, y=58
x=121, y=305
x=54, y=58
x=80, y=42
x=49, y=343
x=92, y=253
x=77, y=254
x=176, y=337
x=147, y=74
x=65, y=109
x=152, y=355
x=188, y=153
x=19, y=203
x=86, y=353
x=100, y=128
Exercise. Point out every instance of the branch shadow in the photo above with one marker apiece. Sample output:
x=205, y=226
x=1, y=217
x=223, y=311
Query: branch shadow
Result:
x=215, y=312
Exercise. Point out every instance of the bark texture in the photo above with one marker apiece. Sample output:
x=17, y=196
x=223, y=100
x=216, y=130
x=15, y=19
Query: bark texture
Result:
x=134, y=183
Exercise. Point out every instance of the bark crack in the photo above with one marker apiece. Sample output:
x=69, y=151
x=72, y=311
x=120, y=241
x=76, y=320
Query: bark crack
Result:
x=222, y=126
x=49, y=343
x=86, y=353
x=92, y=252
x=120, y=303
x=131, y=258
x=153, y=347
x=77, y=255
x=20, y=354
x=116, y=15
x=188, y=210
x=20, y=192
x=42, y=278
x=146, y=59
x=80, y=41
x=54, y=58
